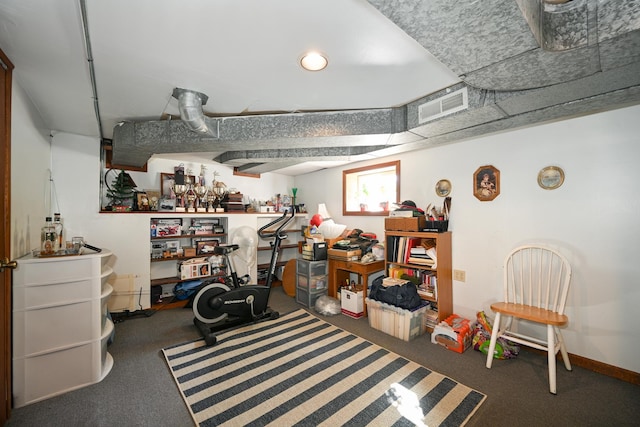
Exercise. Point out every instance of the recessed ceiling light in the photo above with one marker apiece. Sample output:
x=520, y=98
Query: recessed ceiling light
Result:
x=313, y=61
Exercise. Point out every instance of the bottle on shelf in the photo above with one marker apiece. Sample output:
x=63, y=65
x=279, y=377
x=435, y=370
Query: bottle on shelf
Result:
x=49, y=238
x=57, y=223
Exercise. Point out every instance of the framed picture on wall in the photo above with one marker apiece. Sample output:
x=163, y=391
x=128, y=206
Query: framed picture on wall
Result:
x=486, y=183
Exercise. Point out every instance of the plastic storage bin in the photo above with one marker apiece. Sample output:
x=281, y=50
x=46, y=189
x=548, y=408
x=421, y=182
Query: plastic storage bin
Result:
x=306, y=298
x=311, y=281
x=403, y=324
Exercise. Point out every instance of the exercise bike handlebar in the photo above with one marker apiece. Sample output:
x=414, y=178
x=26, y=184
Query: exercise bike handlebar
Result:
x=265, y=233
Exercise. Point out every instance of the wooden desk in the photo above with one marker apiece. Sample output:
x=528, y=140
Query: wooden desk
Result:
x=339, y=271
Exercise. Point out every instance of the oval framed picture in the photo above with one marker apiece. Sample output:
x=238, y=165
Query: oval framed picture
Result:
x=443, y=188
x=550, y=177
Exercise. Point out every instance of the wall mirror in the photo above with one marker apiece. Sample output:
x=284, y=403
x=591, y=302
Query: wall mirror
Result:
x=371, y=190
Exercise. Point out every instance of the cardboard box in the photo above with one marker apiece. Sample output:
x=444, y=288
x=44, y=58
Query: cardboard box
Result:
x=395, y=321
x=416, y=223
x=189, y=251
x=331, y=242
x=194, y=268
x=454, y=333
x=348, y=255
x=166, y=227
x=315, y=251
x=352, y=303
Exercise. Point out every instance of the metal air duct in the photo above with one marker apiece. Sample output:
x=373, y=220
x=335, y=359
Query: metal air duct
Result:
x=190, y=106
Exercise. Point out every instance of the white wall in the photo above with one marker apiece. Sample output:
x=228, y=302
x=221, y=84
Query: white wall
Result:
x=592, y=218
x=30, y=166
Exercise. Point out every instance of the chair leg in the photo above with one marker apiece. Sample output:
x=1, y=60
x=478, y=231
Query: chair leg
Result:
x=563, y=350
x=551, y=356
x=494, y=339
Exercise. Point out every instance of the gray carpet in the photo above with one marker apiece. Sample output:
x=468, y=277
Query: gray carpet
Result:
x=141, y=392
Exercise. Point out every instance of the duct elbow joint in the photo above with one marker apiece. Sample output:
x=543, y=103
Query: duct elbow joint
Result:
x=190, y=106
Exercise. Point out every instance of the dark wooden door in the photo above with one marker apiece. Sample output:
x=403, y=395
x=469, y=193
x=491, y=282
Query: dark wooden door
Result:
x=6, y=68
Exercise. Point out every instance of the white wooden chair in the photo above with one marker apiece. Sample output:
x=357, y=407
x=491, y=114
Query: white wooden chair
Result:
x=536, y=283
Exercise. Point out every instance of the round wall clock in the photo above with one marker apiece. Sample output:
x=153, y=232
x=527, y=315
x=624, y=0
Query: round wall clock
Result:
x=550, y=177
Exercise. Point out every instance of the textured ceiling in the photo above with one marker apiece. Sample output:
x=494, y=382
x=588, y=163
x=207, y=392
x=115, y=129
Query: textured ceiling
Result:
x=521, y=62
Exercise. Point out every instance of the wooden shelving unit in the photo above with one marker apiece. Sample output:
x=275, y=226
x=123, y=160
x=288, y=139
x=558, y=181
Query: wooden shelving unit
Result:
x=443, y=299
x=162, y=274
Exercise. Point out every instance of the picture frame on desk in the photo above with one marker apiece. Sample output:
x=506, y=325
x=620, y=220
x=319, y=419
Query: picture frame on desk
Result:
x=167, y=204
x=154, y=197
x=205, y=246
x=142, y=201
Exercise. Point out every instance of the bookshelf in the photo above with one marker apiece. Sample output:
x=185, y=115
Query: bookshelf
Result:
x=434, y=276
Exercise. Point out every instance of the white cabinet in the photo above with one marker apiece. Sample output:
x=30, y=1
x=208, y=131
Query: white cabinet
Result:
x=60, y=324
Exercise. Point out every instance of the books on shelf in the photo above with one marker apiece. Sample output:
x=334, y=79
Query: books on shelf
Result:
x=411, y=250
x=429, y=286
x=414, y=259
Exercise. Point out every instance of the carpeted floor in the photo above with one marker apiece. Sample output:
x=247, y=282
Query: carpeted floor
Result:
x=140, y=390
x=300, y=370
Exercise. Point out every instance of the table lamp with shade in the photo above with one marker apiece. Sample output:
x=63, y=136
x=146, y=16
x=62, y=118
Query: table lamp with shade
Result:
x=327, y=226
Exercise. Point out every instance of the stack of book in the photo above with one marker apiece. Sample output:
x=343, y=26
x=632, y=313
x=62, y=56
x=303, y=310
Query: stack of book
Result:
x=422, y=256
x=392, y=281
x=431, y=317
x=429, y=287
x=232, y=202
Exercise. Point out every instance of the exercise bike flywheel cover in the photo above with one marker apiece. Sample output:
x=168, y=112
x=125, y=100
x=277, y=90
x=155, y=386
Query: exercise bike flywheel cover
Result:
x=203, y=301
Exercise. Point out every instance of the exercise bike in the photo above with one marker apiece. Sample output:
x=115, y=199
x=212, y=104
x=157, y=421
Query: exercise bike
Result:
x=221, y=306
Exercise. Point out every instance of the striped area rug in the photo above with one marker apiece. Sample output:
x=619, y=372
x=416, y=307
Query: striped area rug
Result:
x=301, y=370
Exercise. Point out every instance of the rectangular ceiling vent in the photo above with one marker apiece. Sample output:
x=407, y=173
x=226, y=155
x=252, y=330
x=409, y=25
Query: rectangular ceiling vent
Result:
x=445, y=105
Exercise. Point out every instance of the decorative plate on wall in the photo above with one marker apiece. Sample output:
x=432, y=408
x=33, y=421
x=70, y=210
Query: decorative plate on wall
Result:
x=550, y=177
x=443, y=188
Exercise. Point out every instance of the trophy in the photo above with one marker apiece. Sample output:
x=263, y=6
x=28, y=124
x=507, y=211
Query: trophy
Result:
x=179, y=190
x=201, y=192
x=219, y=190
x=190, y=195
x=211, y=200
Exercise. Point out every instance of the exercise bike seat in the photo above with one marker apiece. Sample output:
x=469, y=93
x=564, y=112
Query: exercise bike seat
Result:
x=224, y=249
